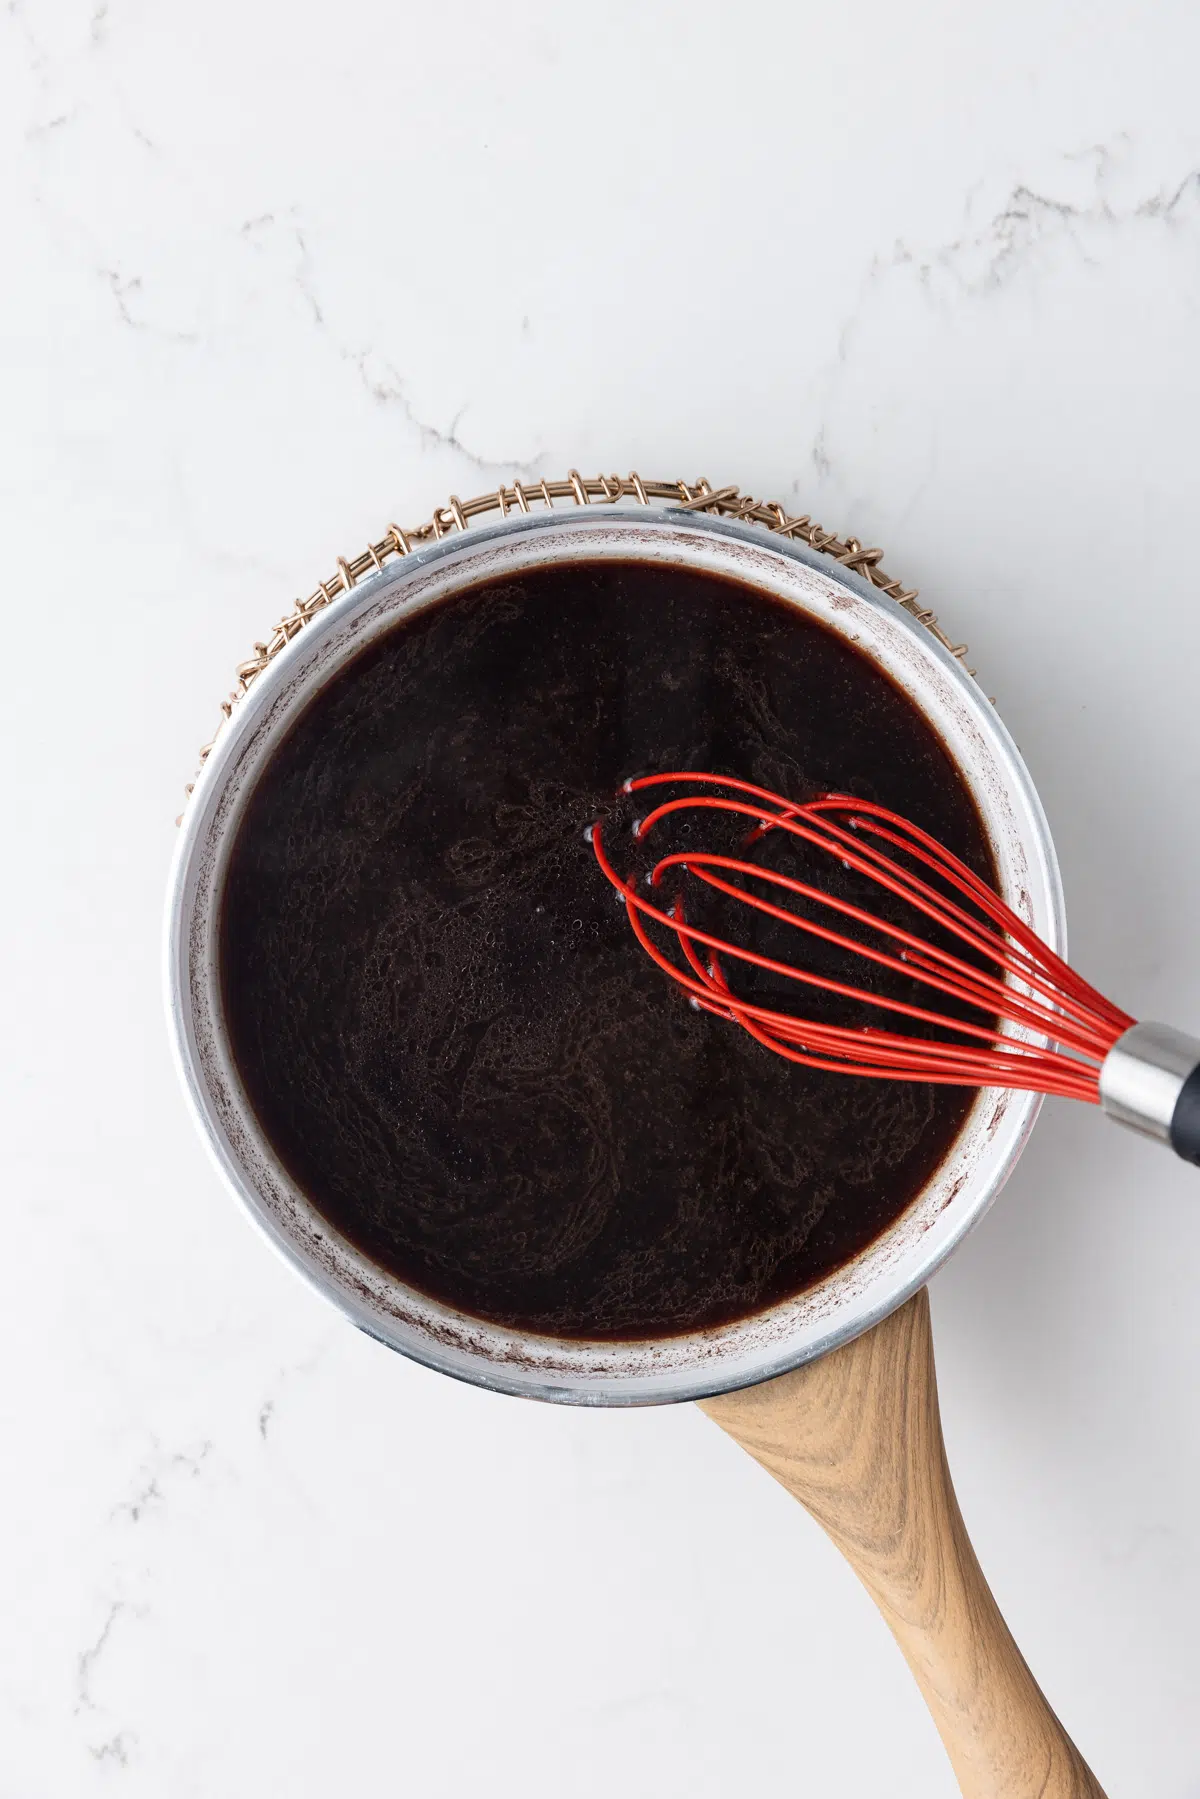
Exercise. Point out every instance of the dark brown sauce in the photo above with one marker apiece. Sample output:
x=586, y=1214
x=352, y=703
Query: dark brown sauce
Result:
x=436, y=1005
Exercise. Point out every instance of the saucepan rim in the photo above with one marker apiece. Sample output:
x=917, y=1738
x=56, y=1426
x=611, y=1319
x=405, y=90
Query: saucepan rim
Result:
x=698, y=1365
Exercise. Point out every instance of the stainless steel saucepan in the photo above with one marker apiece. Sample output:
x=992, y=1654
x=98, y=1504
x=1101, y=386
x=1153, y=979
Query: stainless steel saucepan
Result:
x=847, y=1416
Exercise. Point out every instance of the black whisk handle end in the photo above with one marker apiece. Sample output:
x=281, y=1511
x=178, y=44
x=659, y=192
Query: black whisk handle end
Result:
x=1185, y=1120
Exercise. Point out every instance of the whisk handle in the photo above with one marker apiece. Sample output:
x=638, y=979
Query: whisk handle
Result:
x=856, y=1438
x=1185, y=1124
x=1150, y=1082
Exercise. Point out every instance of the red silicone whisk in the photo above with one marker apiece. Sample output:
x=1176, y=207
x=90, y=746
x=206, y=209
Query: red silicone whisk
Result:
x=1022, y=1017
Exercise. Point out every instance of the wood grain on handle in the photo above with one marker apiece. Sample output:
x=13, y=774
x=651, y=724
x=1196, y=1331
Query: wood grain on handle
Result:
x=857, y=1438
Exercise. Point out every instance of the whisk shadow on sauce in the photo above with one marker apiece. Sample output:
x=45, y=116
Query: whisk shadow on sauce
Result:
x=436, y=1006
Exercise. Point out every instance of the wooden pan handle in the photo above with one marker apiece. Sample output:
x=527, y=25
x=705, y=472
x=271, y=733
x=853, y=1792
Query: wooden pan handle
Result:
x=857, y=1438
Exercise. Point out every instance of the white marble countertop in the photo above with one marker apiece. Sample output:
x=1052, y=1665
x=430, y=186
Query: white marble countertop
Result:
x=274, y=277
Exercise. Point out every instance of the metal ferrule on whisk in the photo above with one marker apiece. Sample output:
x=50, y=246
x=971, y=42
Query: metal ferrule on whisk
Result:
x=1150, y=1081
